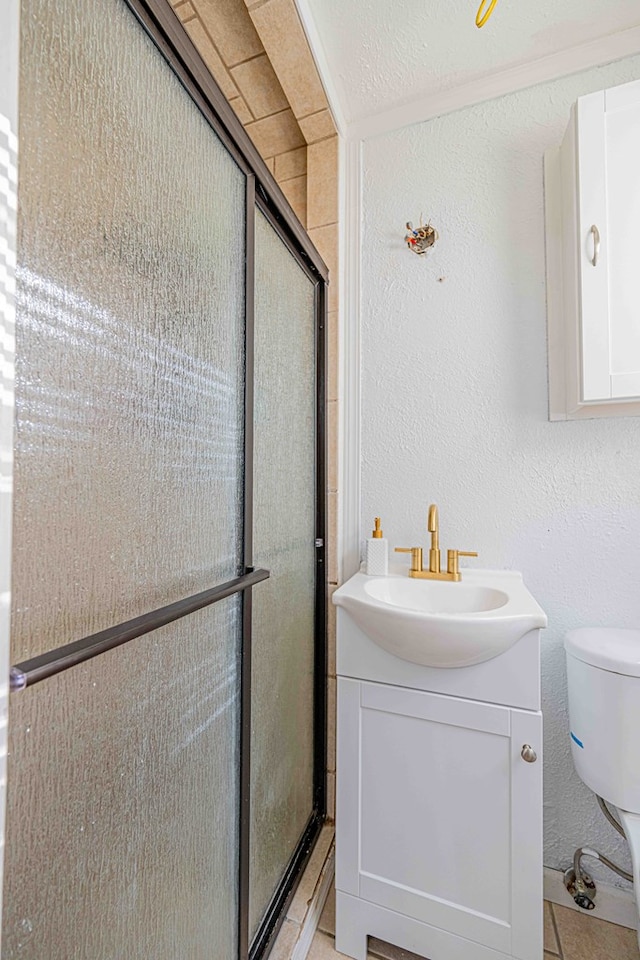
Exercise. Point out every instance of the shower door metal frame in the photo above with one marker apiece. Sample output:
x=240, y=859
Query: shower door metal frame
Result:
x=276, y=910
x=263, y=193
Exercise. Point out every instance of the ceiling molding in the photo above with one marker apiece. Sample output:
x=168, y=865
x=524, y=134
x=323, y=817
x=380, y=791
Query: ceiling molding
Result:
x=616, y=46
x=318, y=53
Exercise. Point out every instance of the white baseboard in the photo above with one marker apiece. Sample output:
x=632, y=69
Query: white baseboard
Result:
x=312, y=919
x=612, y=903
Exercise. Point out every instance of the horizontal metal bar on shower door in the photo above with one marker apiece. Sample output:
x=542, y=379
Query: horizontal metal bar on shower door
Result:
x=46, y=665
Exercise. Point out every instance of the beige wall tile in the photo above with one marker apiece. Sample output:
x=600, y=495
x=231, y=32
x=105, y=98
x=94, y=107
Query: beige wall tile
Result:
x=291, y=164
x=331, y=632
x=318, y=126
x=331, y=796
x=333, y=287
x=271, y=163
x=286, y=941
x=325, y=239
x=259, y=86
x=242, y=110
x=550, y=939
x=276, y=134
x=582, y=937
x=231, y=28
x=332, y=355
x=298, y=907
x=332, y=445
x=295, y=191
x=185, y=11
x=212, y=58
x=322, y=171
x=278, y=21
x=331, y=724
x=332, y=543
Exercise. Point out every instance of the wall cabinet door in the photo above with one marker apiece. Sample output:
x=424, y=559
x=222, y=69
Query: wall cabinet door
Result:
x=608, y=125
x=592, y=201
x=439, y=817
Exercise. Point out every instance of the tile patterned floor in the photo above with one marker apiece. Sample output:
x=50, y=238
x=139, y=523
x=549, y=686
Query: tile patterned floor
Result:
x=568, y=935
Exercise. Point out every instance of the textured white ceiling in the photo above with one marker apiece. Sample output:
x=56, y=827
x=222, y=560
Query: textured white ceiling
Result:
x=381, y=53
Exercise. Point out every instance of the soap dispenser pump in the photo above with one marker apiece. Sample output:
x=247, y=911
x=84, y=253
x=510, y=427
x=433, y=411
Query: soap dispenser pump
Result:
x=377, y=560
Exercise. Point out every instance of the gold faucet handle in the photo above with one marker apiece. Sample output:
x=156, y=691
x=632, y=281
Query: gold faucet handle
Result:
x=452, y=560
x=416, y=557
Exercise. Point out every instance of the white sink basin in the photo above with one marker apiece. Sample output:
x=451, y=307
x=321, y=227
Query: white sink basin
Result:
x=434, y=596
x=440, y=624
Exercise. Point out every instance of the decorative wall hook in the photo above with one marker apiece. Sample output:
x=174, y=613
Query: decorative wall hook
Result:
x=421, y=239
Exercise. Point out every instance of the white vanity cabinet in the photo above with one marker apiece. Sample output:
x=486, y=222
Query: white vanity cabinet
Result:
x=592, y=190
x=439, y=803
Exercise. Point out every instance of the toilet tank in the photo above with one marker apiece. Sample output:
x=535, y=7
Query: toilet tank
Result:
x=603, y=676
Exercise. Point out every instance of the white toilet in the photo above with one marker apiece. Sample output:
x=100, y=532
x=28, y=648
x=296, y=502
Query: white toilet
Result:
x=603, y=673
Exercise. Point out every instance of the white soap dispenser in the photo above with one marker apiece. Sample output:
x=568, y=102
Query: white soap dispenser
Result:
x=377, y=561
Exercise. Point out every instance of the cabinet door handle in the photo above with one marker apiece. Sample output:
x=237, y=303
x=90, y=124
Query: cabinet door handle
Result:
x=528, y=753
x=595, y=233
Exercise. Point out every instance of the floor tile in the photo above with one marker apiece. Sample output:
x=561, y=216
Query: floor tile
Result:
x=285, y=941
x=302, y=897
x=550, y=939
x=584, y=938
x=323, y=948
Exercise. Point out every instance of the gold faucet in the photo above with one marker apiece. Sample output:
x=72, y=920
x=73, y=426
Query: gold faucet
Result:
x=434, y=572
x=433, y=527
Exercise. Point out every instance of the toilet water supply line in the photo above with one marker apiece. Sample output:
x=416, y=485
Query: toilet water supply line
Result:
x=588, y=852
x=610, y=817
x=582, y=897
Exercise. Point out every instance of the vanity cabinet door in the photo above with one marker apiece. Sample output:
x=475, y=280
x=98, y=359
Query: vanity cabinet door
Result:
x=439, y=818
x=608, y=241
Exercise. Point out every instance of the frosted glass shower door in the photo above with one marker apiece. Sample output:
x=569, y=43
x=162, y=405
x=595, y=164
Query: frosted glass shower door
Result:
x=123, y=796
x=283, y=645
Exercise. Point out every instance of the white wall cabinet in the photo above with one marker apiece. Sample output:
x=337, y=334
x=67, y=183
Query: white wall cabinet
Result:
x=439, y=817
x=592, y=190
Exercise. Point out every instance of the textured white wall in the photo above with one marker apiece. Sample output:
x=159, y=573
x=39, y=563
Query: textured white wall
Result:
x=396, y=52
x=455, y=395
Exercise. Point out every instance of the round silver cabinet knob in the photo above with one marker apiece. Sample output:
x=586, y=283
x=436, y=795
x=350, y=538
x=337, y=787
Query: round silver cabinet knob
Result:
x=528, y=754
